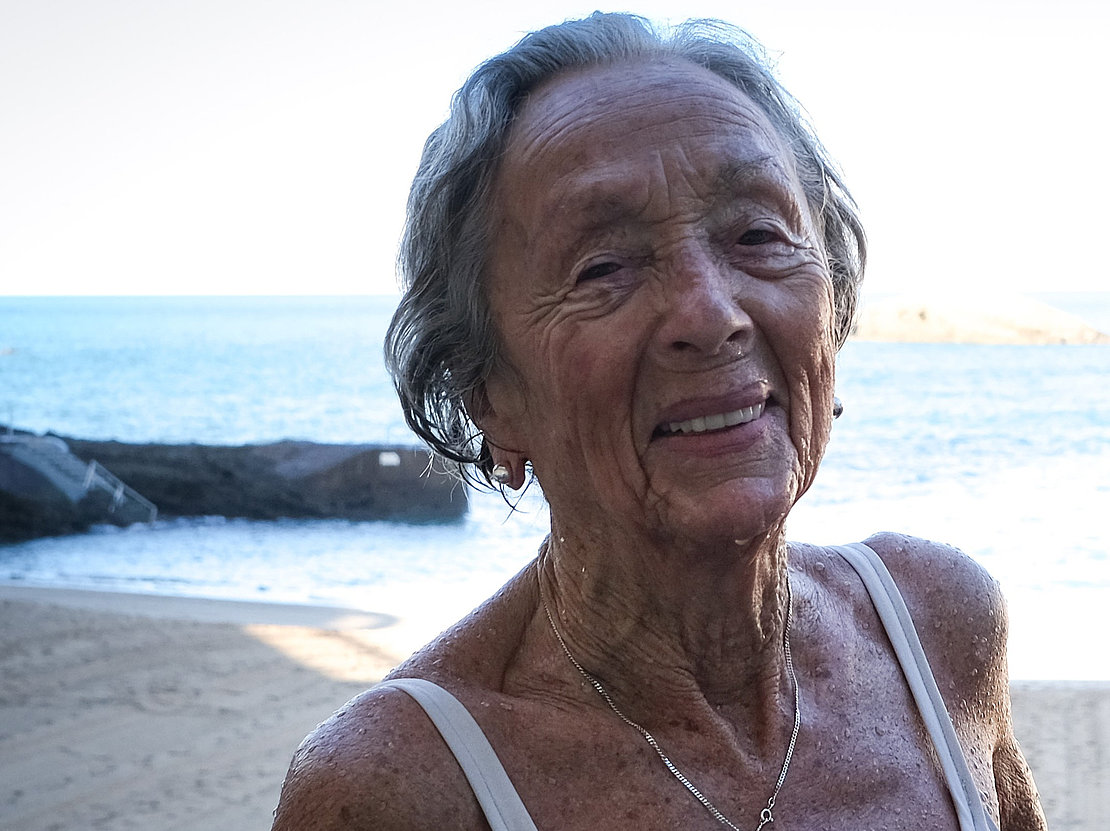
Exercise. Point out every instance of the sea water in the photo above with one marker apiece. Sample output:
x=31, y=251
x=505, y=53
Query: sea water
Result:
x=1003, y=451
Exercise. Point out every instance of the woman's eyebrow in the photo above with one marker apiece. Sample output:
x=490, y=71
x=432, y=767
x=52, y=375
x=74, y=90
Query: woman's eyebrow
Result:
x=605, y=203
x=583, y=215
x=764, y=178
x=600, y=203
x=759, y=175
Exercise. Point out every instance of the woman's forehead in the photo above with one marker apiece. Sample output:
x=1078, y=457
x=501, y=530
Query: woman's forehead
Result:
x=613, y=103
x=589, y=136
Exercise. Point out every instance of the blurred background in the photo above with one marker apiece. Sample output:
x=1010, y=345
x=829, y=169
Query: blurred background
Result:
x=199, y=213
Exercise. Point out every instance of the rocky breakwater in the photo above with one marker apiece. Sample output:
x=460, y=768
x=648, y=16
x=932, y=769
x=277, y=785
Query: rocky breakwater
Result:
x=292, y=479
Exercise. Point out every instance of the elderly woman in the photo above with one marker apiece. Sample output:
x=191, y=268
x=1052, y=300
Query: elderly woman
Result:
x=629, y=267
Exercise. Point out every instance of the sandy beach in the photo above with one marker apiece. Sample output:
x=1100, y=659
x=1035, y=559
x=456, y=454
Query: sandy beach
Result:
x=137, y=712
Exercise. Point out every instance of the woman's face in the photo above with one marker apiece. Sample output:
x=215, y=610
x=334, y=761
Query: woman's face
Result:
x=664, y=307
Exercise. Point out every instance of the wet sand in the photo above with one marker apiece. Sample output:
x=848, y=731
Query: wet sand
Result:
x=137, y=712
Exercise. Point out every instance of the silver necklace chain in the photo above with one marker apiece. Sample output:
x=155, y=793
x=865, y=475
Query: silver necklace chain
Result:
x=765, y=816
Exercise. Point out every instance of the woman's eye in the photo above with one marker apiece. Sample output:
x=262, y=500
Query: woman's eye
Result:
x=597, y=271
x=757, y=236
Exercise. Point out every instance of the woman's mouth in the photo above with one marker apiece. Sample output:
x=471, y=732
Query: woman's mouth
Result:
x=717, y=421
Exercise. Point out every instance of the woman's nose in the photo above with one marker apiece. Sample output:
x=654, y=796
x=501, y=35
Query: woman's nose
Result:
x=703, y=315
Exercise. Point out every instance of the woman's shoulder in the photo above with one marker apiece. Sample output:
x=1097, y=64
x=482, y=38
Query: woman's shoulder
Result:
x=958, y=611
x=375, y=762
x=939, y=580
x=944, y=589
x=913, y=556
x=372, y=765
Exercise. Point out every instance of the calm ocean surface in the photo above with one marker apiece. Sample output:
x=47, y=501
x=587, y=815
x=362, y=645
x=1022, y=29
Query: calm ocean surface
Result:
x=1002, y=451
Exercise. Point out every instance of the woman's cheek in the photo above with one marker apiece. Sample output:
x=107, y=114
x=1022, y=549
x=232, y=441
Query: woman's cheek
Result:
x=812, y=393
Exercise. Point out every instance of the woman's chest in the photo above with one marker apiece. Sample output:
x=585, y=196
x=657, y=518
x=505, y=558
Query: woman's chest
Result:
x=879, y=774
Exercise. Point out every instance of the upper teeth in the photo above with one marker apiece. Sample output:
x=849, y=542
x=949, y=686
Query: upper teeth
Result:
x=703, y=424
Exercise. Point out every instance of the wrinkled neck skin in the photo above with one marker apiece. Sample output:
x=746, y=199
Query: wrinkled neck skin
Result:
x=666, y=629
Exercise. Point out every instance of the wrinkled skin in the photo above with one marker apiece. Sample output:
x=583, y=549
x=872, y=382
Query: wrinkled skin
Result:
x=655, y=263
x=651, y=268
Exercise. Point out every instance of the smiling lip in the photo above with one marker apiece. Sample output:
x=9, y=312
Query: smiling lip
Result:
x=708, y=423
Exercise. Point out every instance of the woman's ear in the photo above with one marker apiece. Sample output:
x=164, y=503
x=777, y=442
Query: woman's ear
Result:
x=496, y=406
x=500, y=437
x=479, y=408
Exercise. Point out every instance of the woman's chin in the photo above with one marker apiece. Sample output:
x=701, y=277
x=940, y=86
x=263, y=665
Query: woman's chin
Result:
x=731, y=514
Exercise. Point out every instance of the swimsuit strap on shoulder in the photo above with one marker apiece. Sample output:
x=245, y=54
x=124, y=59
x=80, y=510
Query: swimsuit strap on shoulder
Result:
x=907, y=647
x=491, y=785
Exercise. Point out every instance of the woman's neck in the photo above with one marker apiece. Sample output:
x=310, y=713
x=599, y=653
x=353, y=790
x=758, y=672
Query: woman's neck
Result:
x=661, y=627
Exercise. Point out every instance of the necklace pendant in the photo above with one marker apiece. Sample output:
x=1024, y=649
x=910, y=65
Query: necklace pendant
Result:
x=765, y=815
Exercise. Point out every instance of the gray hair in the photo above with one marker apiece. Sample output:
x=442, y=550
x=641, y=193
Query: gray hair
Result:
x=441, y=345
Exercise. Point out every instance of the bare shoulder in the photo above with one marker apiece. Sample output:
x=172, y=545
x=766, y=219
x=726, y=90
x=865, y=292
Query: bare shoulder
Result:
x=373, y=765
x=379, y=762
x=956, y=605
x=936, y=566
x=960, y=616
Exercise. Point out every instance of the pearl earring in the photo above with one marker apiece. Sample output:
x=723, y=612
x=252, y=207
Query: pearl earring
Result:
x=501, y=474
x=838, y=408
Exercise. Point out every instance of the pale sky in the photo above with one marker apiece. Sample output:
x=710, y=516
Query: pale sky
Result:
x=260, y=147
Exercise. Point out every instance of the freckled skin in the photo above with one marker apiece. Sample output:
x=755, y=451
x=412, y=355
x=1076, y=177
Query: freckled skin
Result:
x=655, y=261
x=614, y=351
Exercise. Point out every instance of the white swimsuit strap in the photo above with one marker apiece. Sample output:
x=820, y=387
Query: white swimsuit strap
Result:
x=907, y=647
x=491, y=785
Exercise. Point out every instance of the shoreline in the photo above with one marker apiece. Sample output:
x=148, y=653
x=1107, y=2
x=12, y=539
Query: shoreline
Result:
x=199, y=609
x=405, y=634
x=398, y=635
x=136, y=711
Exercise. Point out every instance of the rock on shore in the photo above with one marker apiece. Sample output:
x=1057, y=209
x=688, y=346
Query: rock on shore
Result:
x=970, y=319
